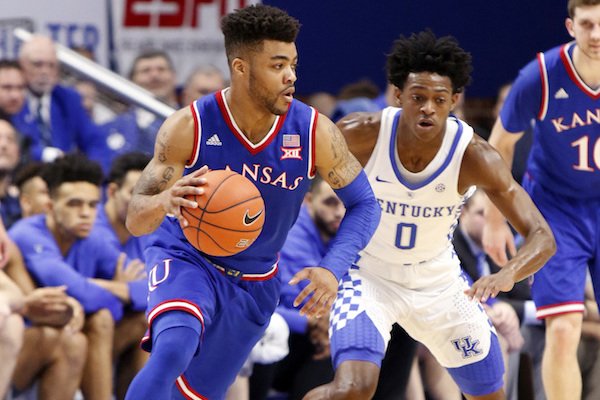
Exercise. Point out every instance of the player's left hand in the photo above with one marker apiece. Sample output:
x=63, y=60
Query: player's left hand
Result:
x=323, y=287
x=490, y=285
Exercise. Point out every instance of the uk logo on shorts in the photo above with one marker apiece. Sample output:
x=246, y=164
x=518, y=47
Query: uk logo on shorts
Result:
x=467, y=346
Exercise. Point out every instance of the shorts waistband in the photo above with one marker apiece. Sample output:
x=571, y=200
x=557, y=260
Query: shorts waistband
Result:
x=234, y=273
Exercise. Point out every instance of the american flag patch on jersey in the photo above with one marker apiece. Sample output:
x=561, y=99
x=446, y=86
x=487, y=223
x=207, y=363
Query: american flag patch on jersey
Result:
x=291, y=140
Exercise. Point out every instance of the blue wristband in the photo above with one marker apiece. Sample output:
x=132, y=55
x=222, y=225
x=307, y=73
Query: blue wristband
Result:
x=357, y=227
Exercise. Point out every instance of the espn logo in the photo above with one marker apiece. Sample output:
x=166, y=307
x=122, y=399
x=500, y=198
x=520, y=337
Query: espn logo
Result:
x=171, y=13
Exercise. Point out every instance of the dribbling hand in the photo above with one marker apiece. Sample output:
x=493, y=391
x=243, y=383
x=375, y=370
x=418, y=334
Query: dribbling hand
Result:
x=323, y=288
x=174, y=197
x=490, y=285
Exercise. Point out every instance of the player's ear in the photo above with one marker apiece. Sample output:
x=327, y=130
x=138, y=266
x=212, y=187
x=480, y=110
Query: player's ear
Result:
x=397, y=97
x=454, y=100
x=111, y=189
x=569, y=26
x=238, y=66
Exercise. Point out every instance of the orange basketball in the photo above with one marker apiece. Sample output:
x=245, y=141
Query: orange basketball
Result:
x=229, y=217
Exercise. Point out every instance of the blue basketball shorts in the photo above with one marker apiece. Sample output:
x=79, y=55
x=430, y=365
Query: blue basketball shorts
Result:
x=233, y=312
x=558, y=287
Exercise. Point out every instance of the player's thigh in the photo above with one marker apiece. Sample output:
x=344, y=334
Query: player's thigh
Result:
x=558, y=286
x=235, y=329
x=360, y=322
x=176, y=284
x=455, y=329
x=39, y=347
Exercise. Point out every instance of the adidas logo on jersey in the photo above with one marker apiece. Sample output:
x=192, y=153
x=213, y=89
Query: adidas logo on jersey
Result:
x=214, y=141
x=561, y=94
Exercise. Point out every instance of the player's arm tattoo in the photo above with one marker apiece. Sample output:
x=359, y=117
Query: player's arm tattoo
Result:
x=151, y=184
x=345, y=166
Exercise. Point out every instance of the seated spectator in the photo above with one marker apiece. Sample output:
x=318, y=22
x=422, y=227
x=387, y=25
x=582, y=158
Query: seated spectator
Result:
x=53, y=119
x=203, y=80
x=33, y=191
x=13, y=90
x=124, y=174
x=9, y=158
x=63, y=248
x=52, y=346
x=135, y=130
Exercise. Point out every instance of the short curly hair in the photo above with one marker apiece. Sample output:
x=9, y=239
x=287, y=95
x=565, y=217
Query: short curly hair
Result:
x=73, y=167
x=132, y=161
x=423, y=52
x=247, y=28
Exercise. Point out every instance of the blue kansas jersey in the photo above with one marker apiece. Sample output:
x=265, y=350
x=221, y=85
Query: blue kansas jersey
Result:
x=565, y=156
x=281, y=166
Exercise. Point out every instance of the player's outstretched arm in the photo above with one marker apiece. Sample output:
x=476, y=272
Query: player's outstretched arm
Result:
x=344, y=174
x=497, y=236
x=484, y=167
x=161, y=188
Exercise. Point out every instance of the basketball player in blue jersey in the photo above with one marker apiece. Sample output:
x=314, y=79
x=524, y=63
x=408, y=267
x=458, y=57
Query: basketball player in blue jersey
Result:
x=206, y=313
x=560, y=92
x=422, y=165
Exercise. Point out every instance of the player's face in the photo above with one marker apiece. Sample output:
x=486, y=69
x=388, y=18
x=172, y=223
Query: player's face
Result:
x=585, y=28
x=9, y=148
x=12, y=90
x=74, y=208
x=155, y=75
x=326, y=209
x=122, y=195
x=34, y=197
x=272, y=75
x=426, y=100
x=40, y=68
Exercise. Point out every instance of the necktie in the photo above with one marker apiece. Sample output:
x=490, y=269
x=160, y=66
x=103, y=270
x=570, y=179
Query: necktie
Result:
x=483, y=268
x=43, y=127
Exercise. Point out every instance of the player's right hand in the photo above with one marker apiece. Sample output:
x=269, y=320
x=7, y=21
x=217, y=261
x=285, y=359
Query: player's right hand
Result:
x=174, y=197
x=497, y=239
x=322, y=290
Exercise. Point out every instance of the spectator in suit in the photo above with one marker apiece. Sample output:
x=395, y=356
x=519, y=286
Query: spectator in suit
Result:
x=53, y=119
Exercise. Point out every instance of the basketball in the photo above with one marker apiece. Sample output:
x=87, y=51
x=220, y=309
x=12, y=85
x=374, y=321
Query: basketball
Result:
x=229, y=217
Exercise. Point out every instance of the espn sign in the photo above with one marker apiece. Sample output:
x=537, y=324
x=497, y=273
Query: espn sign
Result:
x=172, y=13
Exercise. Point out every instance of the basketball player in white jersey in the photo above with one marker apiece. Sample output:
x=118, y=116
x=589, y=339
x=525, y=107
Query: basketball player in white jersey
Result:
x=423, y=164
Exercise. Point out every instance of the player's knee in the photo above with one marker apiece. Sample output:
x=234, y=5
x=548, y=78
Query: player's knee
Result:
x=563, y=331
x=355, y=390
x=74, y=349
x=100, y=323
x=175, y=347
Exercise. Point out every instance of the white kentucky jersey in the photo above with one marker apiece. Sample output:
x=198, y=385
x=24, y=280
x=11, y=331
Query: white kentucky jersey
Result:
x=419, y=210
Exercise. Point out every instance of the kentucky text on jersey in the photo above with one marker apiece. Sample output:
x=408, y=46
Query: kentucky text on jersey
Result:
x=265, y=174
x=406, y=210
x=591, y=117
